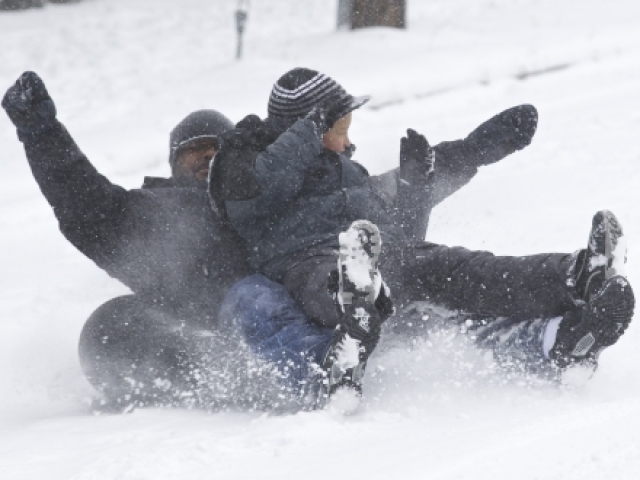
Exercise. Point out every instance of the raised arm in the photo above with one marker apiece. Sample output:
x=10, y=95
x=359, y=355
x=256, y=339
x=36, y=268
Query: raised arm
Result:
x=415, y=185
x=89, y=208
x=71, y=185
x=500, y=136
x=456, y=163
x=280, y=173
x=406, y=191
x=281, y=169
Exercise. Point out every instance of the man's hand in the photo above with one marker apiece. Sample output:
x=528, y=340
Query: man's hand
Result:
x=522, y=122
x=503, y=134
x=29, y=105
x=417, y=158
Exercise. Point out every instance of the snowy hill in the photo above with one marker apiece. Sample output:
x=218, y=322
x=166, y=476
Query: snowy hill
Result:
x=123, y=73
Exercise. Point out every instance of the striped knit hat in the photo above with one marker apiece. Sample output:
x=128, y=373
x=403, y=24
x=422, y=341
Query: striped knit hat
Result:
x=301, y=89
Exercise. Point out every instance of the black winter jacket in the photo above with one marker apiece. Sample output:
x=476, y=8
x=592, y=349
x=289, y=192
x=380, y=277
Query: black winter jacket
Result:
x=163, y=241
x=308, y=195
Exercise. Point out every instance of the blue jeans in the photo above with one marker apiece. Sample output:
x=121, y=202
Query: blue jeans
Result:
x=277, y=330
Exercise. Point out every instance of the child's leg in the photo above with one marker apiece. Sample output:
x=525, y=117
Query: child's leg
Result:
x=308, y=282
x=277, y=330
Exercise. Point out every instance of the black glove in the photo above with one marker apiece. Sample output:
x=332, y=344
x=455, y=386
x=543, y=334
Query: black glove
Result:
x=417, y=158
x=522, y=122
x=325, y=115
x=29, y=105
x=503, y=134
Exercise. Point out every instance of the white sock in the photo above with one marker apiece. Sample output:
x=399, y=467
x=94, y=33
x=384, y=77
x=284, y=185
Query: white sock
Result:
x=550, y=333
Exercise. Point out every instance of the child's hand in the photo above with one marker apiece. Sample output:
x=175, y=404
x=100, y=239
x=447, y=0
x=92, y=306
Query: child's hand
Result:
x=318, y=115
x=417, y=158
x=327, y=113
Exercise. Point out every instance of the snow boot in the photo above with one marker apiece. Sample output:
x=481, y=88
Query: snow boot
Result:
x=608, y=297
x=603, y=258
x=363, y=302
x=585, y=332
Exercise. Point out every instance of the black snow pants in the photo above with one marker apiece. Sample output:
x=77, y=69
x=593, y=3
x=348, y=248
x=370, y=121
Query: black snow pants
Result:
x=307, y=281
x=479, y=282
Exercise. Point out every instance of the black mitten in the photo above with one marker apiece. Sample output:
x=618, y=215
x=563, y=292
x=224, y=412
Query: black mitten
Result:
x=29, y=105
x=318, y=115
x=417, y=158
x=522, y=121
x=325, y=115
x=503, y=134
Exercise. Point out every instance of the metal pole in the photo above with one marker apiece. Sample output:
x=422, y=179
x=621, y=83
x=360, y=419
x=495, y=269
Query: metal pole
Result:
x=241, y=21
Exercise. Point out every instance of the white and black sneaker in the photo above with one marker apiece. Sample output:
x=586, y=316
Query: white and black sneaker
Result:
x=604, y=257
x=584, y=333
x=363, y=302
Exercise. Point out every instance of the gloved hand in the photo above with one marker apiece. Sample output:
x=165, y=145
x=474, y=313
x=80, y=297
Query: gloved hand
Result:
x=29, y=105
x=522, y=121
x=417, y=158
x=503, y=134
x=326, y=114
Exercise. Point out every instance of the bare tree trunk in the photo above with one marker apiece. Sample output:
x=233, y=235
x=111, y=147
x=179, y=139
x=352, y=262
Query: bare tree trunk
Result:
x=378, y=13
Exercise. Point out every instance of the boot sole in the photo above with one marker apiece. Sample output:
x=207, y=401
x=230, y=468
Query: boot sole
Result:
x=354, y=255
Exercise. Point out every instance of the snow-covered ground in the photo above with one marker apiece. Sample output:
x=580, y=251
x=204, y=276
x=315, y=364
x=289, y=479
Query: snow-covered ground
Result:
x=123, y=73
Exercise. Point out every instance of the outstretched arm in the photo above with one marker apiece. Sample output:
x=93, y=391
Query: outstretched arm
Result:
x=88, y=207
x=498, y=137
x=280, y=172
x=456, y=163
x=406, y=191
x=282, y=168
x=415, y=185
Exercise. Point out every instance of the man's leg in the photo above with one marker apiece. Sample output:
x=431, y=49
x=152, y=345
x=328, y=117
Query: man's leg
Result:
x=603, y=310
x=549, y=346
x=480, y=282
